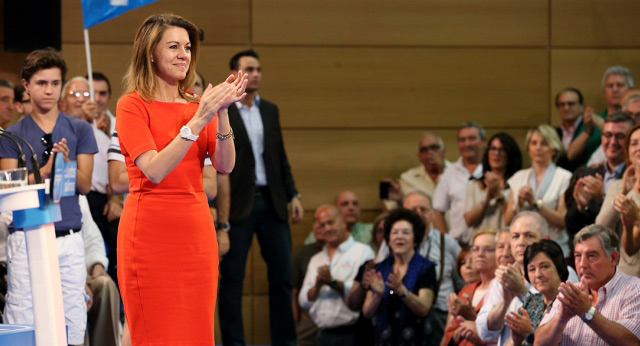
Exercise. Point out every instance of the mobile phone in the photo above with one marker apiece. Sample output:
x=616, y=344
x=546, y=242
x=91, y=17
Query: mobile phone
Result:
x=384, y=189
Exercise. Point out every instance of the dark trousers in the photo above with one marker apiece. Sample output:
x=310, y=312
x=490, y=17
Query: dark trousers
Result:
x=275, y=246
x=345, y=336
x=108, y=229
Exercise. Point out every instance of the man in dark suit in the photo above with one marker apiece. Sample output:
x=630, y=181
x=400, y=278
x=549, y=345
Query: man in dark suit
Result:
x=589, y=189
x=253, y=199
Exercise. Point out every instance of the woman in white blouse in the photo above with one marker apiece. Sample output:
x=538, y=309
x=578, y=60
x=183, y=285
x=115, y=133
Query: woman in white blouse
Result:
x=486, y=201
x=541, y=187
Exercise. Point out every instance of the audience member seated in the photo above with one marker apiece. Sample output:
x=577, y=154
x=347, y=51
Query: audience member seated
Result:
x=616, y=82
x=305, y=328
x=578, y=132
x=604, y=308
x=590, y=188
x=377, y=233
x=465, y=306
x=451, y=191
x=402, y=290
x=424, y=177
x=541, y=188
x=329, y=278
x=621, y=202
x=6, y=103
x=441, y=249
x=487, y=196
x=349, y=206
x=545, y=268
x=508, y=289
x=464, y=265
x=21, y=100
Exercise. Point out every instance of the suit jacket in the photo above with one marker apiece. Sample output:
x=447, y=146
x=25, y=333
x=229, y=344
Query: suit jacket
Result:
x=574, y=219
x=279, y=178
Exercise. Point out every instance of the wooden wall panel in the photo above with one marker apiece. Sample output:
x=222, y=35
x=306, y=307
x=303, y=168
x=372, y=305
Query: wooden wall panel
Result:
x=583, y=69
x=223, y=21
x=387, y=87
x=404, y=22
x=595, y=23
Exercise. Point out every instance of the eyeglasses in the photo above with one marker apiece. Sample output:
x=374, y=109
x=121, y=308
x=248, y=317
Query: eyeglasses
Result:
x=26, y=101
x=618, y=136
x=486, y=249
x=48, y=143
x=78, y=93
x=497, y=150
x=570, y=104
x=432, y=147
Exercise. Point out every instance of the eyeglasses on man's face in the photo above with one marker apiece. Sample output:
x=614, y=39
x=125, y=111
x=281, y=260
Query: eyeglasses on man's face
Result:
x=428, y=148
x=79, y=93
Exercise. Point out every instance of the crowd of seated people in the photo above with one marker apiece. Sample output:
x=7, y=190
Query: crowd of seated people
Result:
x=482, y=250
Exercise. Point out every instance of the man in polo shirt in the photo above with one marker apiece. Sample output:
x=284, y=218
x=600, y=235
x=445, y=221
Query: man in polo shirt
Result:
x=329, y=278
x=349, y=205
x=451, y=191
x=604, y=309
x=48, y=131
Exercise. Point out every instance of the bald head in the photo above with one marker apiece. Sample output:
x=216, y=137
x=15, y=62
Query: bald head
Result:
x=420, y=203
x=349, y=206
x=329, y=220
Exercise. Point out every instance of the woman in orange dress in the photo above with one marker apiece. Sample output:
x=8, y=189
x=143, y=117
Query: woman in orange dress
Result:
x=167, y=251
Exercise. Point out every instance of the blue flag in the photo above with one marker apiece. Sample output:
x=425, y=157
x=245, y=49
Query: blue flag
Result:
x=99, y=11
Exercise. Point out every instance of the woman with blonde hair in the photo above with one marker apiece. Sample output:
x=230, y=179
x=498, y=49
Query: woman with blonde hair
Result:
x=168, y=256
x=541, y=188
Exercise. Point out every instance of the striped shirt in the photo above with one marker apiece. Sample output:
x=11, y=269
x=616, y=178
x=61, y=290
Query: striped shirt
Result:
x=618, y=301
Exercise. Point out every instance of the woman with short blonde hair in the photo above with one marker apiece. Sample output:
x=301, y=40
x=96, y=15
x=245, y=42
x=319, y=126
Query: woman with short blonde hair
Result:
x=541, y=188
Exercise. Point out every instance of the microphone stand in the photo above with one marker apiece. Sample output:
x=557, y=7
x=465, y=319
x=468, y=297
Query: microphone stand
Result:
x=35, y=167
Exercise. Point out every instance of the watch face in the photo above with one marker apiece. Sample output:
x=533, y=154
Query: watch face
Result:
x=184, y=131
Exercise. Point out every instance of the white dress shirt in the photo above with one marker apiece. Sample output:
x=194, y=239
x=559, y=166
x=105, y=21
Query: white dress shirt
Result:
x=252, y=120
x=329, y=309
x=451, y=194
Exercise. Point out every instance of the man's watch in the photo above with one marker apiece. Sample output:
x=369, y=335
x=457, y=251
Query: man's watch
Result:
x=185, y=132
x=588, y=317
x=333, y=283
x=537, y=205
x=223, y=226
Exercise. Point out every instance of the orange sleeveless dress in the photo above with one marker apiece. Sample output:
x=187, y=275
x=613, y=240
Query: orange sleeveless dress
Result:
x=167, y=249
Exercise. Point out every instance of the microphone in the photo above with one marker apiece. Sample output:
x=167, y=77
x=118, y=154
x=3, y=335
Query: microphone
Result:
x=22, y=159
x=35, y=167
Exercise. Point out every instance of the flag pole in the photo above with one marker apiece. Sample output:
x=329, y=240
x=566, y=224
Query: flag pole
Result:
x=89, y=67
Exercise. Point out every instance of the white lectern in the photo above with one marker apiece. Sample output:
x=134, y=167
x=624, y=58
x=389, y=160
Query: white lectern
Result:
x=35, y=214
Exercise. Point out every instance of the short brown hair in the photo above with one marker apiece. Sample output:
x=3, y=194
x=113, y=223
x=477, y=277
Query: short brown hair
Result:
x=42, y=59
x=140, y=75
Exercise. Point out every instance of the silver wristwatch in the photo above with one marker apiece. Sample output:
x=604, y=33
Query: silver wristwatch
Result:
x=185, y=132
x=588, y=317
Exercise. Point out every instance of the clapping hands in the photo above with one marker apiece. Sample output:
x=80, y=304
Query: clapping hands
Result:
x=222, y=95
